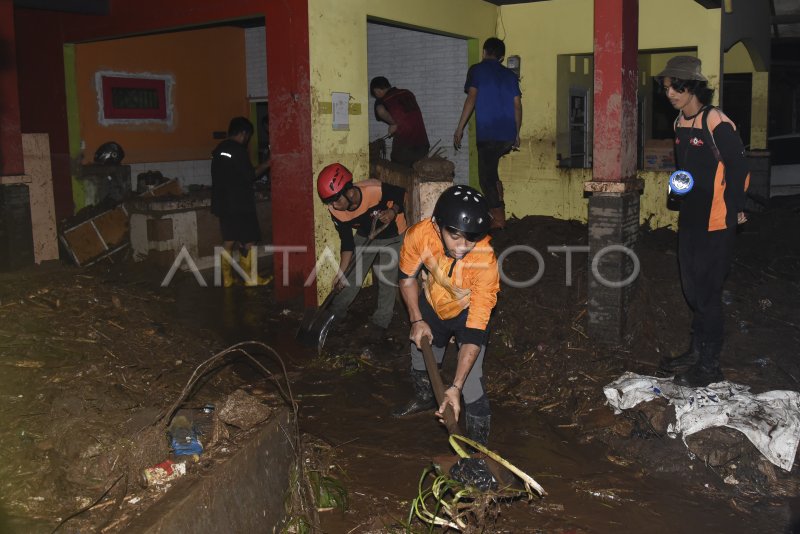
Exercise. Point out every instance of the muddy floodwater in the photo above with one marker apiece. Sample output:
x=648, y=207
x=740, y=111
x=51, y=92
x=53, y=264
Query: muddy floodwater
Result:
x=380, y=458
x=603, y=473
x=92, y=355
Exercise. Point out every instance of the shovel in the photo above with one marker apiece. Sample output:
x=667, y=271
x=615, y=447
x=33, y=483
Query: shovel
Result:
x=315, y=325
x=450, y=422
x=504, y=477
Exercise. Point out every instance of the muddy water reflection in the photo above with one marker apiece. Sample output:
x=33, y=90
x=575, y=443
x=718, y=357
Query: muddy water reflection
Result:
x=383, y=459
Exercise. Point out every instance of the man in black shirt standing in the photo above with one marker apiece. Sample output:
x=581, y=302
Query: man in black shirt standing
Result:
x=707, y=148
x=233, y=200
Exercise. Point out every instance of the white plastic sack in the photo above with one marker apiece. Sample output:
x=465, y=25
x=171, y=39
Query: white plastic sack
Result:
x=771, y=420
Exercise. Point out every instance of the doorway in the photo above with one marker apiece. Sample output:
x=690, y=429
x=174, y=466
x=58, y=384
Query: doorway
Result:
x=737, y=100
x=434, y=68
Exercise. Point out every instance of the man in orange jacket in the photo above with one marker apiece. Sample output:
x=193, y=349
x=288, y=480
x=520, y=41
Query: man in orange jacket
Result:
x=460, y=281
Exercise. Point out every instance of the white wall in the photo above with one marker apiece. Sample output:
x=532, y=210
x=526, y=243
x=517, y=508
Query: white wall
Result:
x=434, y=68
x=255, y=44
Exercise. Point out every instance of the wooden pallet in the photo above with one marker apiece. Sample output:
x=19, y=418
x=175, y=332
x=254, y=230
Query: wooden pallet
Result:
x=98, y=237
x=108, y=232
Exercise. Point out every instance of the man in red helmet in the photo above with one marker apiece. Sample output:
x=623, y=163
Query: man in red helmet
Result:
x=353, y=207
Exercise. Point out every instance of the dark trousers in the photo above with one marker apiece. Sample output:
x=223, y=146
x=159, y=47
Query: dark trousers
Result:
x=705, y=259
x=489, y=154
x=408, y=155
x=442, y=330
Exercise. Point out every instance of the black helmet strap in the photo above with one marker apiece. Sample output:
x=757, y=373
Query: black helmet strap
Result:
x=447, y=251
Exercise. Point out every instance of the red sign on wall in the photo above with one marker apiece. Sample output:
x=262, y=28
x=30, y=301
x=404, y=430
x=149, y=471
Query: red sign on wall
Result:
x=134, y=98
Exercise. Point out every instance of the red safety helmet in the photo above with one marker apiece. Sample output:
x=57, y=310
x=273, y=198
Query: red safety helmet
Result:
x=332, y=181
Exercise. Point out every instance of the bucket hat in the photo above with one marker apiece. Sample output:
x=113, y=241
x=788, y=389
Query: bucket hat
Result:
x=683, y=68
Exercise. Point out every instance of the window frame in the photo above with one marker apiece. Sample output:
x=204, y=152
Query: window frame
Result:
x=107, y=81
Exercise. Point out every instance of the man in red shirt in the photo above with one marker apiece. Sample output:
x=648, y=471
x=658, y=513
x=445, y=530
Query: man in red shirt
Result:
x=399, y=109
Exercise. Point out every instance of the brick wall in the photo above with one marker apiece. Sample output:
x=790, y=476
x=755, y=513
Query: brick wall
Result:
x=434, y=68
x=613, y=221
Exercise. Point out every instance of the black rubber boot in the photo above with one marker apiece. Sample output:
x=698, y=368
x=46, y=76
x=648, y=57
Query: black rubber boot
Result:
x=706, y=371
x=670, y=365
x=478, y=418
x=423, y=396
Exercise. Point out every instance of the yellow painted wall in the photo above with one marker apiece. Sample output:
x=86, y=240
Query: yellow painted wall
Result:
x=539, y=32
x=738, y=61
x=210, y=88
x=338, y=62
x=759, y=114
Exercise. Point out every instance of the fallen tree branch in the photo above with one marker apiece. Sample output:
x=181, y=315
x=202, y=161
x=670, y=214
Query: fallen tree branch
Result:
x=88, y=507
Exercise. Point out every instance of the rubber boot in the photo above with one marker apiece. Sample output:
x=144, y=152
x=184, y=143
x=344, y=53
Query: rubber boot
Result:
x=246, y=260
x=227, y=273
x=670, y=365
x=706, y=371
x=478, y=419
x=423, y=396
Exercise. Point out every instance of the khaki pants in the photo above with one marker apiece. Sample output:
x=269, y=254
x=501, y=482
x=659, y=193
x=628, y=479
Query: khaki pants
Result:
x=382, y=256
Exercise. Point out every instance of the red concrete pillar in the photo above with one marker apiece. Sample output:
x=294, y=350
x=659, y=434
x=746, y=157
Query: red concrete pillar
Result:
x=616, y=44
x=11, y=162
x=614, y=204
x=293, y=194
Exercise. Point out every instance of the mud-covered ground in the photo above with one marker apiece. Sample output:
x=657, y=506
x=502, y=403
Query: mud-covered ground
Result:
x=92, y=357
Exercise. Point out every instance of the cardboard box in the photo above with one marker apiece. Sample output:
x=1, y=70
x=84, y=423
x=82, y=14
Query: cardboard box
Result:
x=169, y=188
x=659, y=155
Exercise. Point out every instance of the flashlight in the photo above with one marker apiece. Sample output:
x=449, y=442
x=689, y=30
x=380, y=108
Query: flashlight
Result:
x=680, y=183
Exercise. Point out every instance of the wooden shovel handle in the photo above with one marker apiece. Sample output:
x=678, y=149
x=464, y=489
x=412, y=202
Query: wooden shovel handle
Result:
x=438, y=387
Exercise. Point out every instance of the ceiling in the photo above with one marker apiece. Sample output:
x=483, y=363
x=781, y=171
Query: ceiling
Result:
x=705, y=3
x=785, y=19
x=85, y=7
x=785, y=13
x=100, y=7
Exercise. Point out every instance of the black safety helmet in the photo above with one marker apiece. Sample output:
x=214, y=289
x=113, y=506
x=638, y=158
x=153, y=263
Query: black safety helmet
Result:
x=109, y=153
x=463, y=209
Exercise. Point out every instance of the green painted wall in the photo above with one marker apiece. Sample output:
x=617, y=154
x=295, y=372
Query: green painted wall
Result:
x=73, y=125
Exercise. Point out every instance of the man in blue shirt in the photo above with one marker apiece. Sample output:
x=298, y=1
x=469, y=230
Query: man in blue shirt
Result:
x=493, y=92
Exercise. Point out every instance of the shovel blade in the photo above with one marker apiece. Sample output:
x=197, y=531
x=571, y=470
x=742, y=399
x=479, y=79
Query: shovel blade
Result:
x=305, y=324
x=505, y=478
x=314, y=331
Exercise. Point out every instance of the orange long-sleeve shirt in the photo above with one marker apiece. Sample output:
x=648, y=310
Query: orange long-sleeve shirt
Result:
x=452, y=285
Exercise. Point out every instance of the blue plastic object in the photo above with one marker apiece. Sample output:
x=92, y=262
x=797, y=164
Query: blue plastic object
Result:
x=183, y=437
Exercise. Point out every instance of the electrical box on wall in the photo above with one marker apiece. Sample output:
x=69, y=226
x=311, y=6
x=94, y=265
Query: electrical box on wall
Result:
x=514, y=63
